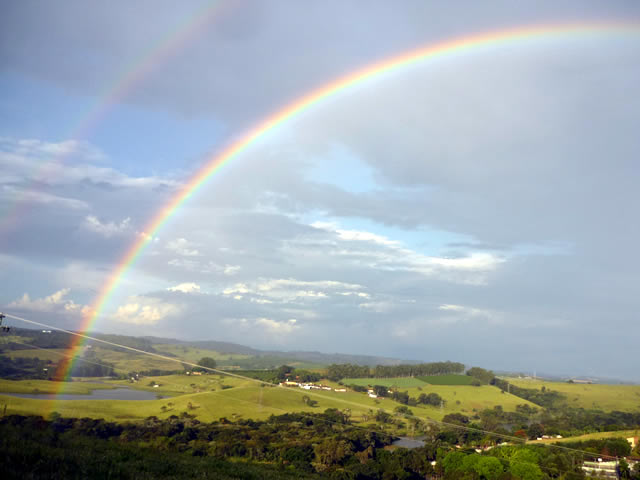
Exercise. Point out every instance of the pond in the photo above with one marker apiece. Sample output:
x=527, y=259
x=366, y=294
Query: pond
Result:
x=409, y=442
x=102, y=394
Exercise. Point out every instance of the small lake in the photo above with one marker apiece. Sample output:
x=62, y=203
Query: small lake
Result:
x=101, y=394
x=409, y=442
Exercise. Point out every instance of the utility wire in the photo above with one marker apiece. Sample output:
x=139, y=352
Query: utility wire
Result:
x=340, y=400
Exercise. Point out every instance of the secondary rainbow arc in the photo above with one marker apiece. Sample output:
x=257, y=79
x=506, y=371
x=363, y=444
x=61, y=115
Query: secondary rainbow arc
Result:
x=219, y=159
x=123, y=84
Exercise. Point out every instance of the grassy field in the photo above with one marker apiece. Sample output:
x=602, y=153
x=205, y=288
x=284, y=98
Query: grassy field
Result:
x=185, y=384
x=447, y=379
x=52, y=354
x=399, y=382
x=605, y=397
x=130, y=361
x=237, y=402
x=591, y=436
x=468, y=400
x=209, y=401
x=191, y=354
x=46, y=386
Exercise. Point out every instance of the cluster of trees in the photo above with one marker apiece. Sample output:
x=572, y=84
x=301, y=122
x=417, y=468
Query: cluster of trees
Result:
x=24, y=368
x=544, y=397
x=282, y=373
x=205, y=364
x=286, y=446
x=346, y=370
x=482, y=375
x=301, y=445
x=403, y=397
x=430, y=399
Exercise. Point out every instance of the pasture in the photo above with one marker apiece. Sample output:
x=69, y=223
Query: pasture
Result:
x=591, y=436
x=126, y=361
x=395, y=382
x=47, y=386
x=447, y=379
x=50, y=354
x=624, y=398
x=469, y=400
x=191, y=354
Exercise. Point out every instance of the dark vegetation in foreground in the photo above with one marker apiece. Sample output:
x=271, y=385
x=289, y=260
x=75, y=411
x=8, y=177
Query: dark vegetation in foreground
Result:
x=286, y=446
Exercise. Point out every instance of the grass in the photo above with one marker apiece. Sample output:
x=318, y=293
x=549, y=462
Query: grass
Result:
x=469, y=400
x=192, y=355
x=624, y=398
x=238, y=402
x=46, y=386
x=125, y=362
x=52, y=354
x=184, y=384
x=592, y=436
x=399, y=382
x=447, y=379
x=245, y=399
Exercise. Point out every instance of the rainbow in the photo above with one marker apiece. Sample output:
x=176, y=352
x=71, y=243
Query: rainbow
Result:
x=337, y=87
x=173, y=42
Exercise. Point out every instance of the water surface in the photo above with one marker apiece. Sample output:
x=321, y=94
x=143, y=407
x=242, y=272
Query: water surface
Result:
x=409, y=442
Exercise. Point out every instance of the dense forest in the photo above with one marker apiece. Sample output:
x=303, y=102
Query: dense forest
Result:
x=286, y=446
x=346, y=370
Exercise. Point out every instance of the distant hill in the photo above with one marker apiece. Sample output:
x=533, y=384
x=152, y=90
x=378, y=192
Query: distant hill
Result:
x=302, y=356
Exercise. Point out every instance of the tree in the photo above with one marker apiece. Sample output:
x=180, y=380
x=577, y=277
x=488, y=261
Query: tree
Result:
x=380, y=390
x=489, y=468
x=526, y=470
x=308, y=401
x=207, y=363
x=485, y=376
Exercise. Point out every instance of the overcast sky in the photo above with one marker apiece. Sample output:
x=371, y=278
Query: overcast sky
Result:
x=481, y=207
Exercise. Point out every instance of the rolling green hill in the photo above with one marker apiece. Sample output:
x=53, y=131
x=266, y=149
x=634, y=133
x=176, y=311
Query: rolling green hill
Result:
x=604, y=397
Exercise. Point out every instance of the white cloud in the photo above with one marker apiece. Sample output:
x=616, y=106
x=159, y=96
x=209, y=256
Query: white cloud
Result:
x=108, y=229
x=145, y=311
x=464, y=313
x=183, y=247
x=278, y=327
x=231, y=269
x=377, y=307
x=41, y=161
x=54, y=303
x=237, y=288
x=189, y=287
x=379, y=252
x=27, y=196
x=287, y=290
x=356, y=235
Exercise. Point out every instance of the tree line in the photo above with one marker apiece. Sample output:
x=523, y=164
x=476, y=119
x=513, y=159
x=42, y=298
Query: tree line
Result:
x=337, y=372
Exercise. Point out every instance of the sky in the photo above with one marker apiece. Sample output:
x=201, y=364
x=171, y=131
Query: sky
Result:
x=480, y=207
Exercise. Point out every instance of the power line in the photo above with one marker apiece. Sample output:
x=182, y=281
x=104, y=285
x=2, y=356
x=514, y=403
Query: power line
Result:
x=339, y=400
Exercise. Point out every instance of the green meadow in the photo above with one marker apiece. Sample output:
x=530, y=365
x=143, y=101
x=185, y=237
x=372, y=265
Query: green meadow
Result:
x=248, y=401
x=46, y=386
x=447, y=379
x=125, y=361
x=210, y=397
x=50, y=354
x=468, y=400
x=398, y=382
x=598, y=396
x=591, y=436
x=192, y=354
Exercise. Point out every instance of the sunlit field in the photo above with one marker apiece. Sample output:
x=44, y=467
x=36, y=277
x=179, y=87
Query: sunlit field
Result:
x=604, y=397
x=302, y=239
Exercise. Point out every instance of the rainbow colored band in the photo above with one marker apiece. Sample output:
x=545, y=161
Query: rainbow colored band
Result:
x=219, y=159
